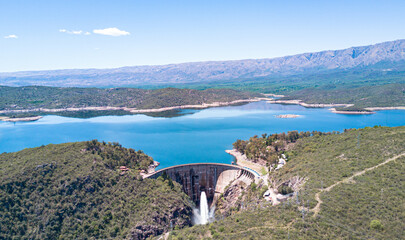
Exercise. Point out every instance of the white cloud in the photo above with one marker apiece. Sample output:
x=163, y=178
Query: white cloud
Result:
x=75, y=32
x=115, y=32
x=11, y=36
x=87, y=33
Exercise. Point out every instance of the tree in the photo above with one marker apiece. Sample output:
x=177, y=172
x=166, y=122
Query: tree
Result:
x=279, y=145
x=256, y=148
x=292, y=136
x=240, y=145
x=272, y=158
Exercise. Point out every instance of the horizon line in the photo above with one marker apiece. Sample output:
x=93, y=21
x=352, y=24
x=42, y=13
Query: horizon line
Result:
x=201, y=61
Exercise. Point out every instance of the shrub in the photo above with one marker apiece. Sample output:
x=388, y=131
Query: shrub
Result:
x=253, y=186
x=263, y=190
x=283, y=189
x=375, y=224
x=215, y=235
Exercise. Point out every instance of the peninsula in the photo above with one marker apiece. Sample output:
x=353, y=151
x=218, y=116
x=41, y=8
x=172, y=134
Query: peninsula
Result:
x=324, y=190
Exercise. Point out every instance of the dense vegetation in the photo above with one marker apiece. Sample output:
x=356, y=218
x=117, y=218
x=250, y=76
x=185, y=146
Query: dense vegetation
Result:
x=368, y=207
x=12, y=98
x=267, y=149
x=77, y=191
x=389, y=95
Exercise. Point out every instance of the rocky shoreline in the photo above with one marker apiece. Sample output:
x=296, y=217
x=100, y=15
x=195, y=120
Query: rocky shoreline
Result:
x=22, y=119
x=241, y=160
x=130, y=110
x=385, y=108
x=199, y=106
x=309, y=105
x=368, y=110
x=351, y=112
x=272, y=95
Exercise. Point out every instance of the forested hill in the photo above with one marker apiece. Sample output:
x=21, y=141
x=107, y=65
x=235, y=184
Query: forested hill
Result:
x=389, y=95
x=354, y=188
x=14, y=98
x=77, y=191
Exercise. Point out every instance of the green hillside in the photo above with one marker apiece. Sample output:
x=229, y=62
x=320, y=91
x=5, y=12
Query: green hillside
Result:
x=367, y=206
x=354, y=189
x=389, y=95
x=76, y=191
x=14, y=98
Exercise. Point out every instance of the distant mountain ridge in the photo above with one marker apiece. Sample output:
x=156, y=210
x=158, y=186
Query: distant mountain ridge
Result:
x=213, y=70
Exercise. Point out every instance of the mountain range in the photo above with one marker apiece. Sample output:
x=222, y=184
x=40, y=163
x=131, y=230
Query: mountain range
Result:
x=196, y=72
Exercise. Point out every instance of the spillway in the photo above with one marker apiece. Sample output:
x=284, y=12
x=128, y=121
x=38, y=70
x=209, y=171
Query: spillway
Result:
x=204, y=210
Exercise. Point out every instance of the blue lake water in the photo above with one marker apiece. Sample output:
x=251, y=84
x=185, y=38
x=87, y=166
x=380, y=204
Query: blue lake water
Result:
x=198, y=136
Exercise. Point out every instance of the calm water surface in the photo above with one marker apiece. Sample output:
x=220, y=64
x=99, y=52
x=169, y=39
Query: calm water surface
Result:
x=198, y=136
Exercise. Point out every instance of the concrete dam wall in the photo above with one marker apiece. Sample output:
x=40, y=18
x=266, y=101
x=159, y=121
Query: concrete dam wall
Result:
x=209, y=177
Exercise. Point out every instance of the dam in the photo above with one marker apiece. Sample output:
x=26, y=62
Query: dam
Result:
x=211, y=178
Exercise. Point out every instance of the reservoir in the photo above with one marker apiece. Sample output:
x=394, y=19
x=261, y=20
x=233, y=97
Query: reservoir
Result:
x=192, y=137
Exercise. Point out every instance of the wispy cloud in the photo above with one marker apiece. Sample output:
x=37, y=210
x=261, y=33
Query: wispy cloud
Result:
x=11, y=36
x=115, y=32
x=75, y=32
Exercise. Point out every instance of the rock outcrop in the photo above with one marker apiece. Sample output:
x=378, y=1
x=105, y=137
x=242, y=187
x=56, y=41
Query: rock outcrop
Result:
x=230, y=199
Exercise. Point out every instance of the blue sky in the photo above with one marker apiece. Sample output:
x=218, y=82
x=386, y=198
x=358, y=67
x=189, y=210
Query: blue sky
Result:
x=60, y=34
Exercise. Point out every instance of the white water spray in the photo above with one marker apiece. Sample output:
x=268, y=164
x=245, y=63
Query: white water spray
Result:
x=204, y=212
x=203, y=215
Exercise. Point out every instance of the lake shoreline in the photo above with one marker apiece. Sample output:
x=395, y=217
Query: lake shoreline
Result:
x=309, y=105
x=194, y=134
x=369, y=110
x=241, y=160
x=129, y=110
x=22, y=119
x=332, y=107
x=351, y=112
